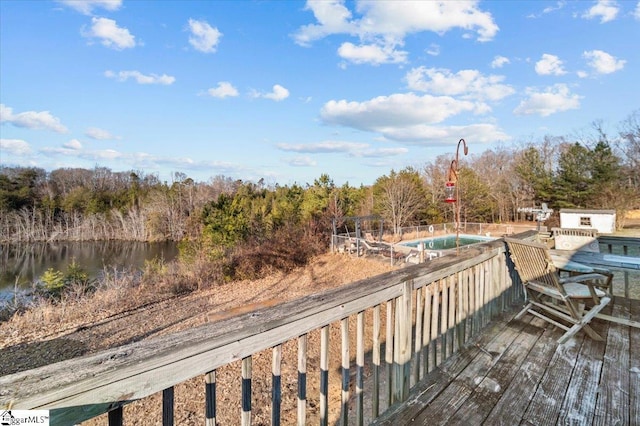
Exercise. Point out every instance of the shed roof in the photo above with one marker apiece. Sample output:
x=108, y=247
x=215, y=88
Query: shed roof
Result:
x=587, y=211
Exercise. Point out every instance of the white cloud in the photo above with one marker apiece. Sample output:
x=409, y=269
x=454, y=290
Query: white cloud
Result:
x=99, y=134
x=636, y=12
x=323, y=147
x=371, y=53
x=31, y=119
x=379, y=152
x=75, y=150
x=549, y=65
x=140, y=78
x=552, y=100
x=15, y=146
x=384, y=25
x=469, y=84
x=279, y=93
x=110, y=34
x=86, y=6
x=433, y=50
x=559, y=5
x=74, y=144
x=606, y=10
x=549, y=9
x=422, y=134
x=602, y=62
x=333, y=18
x=353, y=149
x=301, y=161
x=203, y=38
x=223, y=90
x=398, y=110
x=499, y=62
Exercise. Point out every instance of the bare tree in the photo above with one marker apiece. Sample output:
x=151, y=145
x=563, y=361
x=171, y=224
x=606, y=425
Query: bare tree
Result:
x=399, y=197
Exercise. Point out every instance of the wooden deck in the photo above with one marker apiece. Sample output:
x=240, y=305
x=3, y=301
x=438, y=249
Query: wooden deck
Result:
x=515, y=373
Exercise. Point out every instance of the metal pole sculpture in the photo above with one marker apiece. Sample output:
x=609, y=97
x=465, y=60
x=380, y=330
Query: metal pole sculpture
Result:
x=452, y=190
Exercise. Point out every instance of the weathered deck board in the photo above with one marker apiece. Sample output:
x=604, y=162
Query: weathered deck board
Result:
x=613, y=402
x=531, y=380
x=459, y=391
x=544, y=408
x=510, y=409
x=439, y=379
x=580, y=398
x=490, y=389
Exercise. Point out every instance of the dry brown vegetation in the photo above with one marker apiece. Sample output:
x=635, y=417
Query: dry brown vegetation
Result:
x=120, y=313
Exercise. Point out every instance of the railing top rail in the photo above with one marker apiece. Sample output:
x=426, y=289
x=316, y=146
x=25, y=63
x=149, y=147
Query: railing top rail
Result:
x=94, y=384
x=611, y=239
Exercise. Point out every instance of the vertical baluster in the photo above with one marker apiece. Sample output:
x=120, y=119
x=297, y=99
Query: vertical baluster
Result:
x=360, y=369
x=426, y=332
x=418, y=340
x=115, y=416
x=460, y=312
x=626, y=285
x=246, y=390
x=344, y=411
x=375, y=403
x=402, y=343
x=276, y=385
x=433, y=354
x=324, y=376
x=302, y=379
x=443, y=319
x=487, y=294
x=476, y=298
x=451, y=329
x=210, y=398
x=388, y=351
x=167, y=407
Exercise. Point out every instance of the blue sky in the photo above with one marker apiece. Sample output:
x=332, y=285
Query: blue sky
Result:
x=288, y=90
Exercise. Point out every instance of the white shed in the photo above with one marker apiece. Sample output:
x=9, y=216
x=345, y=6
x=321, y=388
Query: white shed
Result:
x=602, y=220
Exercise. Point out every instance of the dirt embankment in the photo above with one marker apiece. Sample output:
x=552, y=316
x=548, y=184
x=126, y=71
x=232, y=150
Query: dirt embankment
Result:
x=119, y=316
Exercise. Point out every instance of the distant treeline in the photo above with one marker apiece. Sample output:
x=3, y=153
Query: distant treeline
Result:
x=594, y=171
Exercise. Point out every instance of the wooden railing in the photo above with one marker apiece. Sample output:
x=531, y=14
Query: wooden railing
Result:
x=626, y=246
x=420, y=315
x=626, y=273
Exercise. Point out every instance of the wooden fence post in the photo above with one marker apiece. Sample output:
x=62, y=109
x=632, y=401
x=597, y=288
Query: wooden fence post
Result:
x=324, y=376
x=276, y=385
x=375, y=403
x=210, y=398
x=402, y=343
x=302, y=379
x=167, y=407
x=360, y=369
x=246, y=390
x=344, y=411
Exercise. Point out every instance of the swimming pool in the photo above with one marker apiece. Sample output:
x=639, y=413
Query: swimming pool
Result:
x=447, y=242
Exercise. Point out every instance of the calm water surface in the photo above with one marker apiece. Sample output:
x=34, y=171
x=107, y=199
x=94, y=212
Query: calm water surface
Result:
x=447, y=242
x=27, y=262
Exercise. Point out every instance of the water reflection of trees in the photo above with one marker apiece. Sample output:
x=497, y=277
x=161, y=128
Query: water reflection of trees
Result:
x=29, y=261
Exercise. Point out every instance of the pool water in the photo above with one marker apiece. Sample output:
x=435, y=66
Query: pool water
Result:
x=447, y=242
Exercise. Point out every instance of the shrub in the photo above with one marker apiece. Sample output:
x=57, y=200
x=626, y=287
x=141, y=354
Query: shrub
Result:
x=55, y=284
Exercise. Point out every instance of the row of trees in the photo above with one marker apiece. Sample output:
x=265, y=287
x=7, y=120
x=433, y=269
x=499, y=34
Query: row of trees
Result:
x=588, y=172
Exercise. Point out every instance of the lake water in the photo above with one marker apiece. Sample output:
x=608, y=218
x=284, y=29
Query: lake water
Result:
x=27, y=262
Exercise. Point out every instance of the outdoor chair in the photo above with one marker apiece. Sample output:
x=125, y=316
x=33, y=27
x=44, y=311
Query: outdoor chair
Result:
x=574, y=300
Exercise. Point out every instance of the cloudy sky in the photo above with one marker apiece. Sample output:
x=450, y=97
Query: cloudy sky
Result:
x=288, y=90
